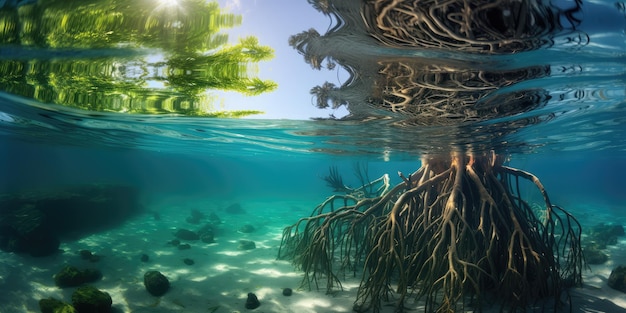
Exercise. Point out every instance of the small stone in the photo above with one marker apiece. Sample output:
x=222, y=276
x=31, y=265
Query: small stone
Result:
x=246, y=229
x=91, y=299
x=189, y=261
x=185, y=234
x=234, y=209
x=593, y=255
x=156, y=283
x=287, y=292
x=192, y=220
x=184, y=246
x=246, y=245
x=206, y=228
x=605, y=234
x=196, y=214
x=207, y=238
x=52, y=305
x=145, y=258
x=71, y=276
x=214, y=218
x=85, y=254
x=617, y=279
x=252, y=302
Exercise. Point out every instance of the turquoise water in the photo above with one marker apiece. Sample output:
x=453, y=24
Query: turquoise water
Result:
x=571, y=134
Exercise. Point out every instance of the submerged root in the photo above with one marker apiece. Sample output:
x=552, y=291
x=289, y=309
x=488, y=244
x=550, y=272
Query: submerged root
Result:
x=455, y=233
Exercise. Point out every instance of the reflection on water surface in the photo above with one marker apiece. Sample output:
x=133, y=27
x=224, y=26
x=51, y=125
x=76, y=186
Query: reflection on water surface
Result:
x=455, y=64
x=478, y=75
x=146, y=57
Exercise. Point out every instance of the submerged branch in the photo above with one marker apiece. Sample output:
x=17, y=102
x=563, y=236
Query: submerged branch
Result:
x=335, y=181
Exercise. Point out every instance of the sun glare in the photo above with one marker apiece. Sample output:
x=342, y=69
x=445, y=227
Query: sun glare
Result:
x=168, y=3
x=169, y=8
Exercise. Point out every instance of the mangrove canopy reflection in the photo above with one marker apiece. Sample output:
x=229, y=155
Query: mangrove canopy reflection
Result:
x=142, y=56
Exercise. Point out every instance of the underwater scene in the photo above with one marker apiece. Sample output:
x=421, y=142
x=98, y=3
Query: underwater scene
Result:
x=312, y=156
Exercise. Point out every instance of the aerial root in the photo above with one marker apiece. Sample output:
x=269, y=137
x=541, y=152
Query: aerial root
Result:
x=456, y=229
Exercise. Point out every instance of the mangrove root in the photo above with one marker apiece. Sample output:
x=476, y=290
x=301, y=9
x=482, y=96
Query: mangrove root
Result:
x=453, y=235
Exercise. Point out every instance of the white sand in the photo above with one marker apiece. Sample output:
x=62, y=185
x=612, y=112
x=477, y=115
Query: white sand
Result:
x=222, y=275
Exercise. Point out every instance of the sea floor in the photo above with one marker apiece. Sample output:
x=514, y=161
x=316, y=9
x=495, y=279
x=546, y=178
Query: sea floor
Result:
x=222, y=275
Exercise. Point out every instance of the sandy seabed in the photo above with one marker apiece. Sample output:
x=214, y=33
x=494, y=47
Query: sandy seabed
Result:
x=222, y=275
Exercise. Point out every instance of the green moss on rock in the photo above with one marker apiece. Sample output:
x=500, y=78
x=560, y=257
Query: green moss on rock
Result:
x=52, y=305
x=156, y=283
x=91, y=299
x=71, y=276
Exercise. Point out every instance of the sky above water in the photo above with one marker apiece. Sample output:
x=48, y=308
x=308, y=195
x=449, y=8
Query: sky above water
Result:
x=272, y=22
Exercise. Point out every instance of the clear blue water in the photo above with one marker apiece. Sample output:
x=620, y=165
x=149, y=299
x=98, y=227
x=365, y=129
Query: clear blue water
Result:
x=575, y=142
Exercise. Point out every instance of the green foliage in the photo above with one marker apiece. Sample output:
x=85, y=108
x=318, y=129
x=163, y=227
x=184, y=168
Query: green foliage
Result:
x=107, y=50
x=188, y=26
